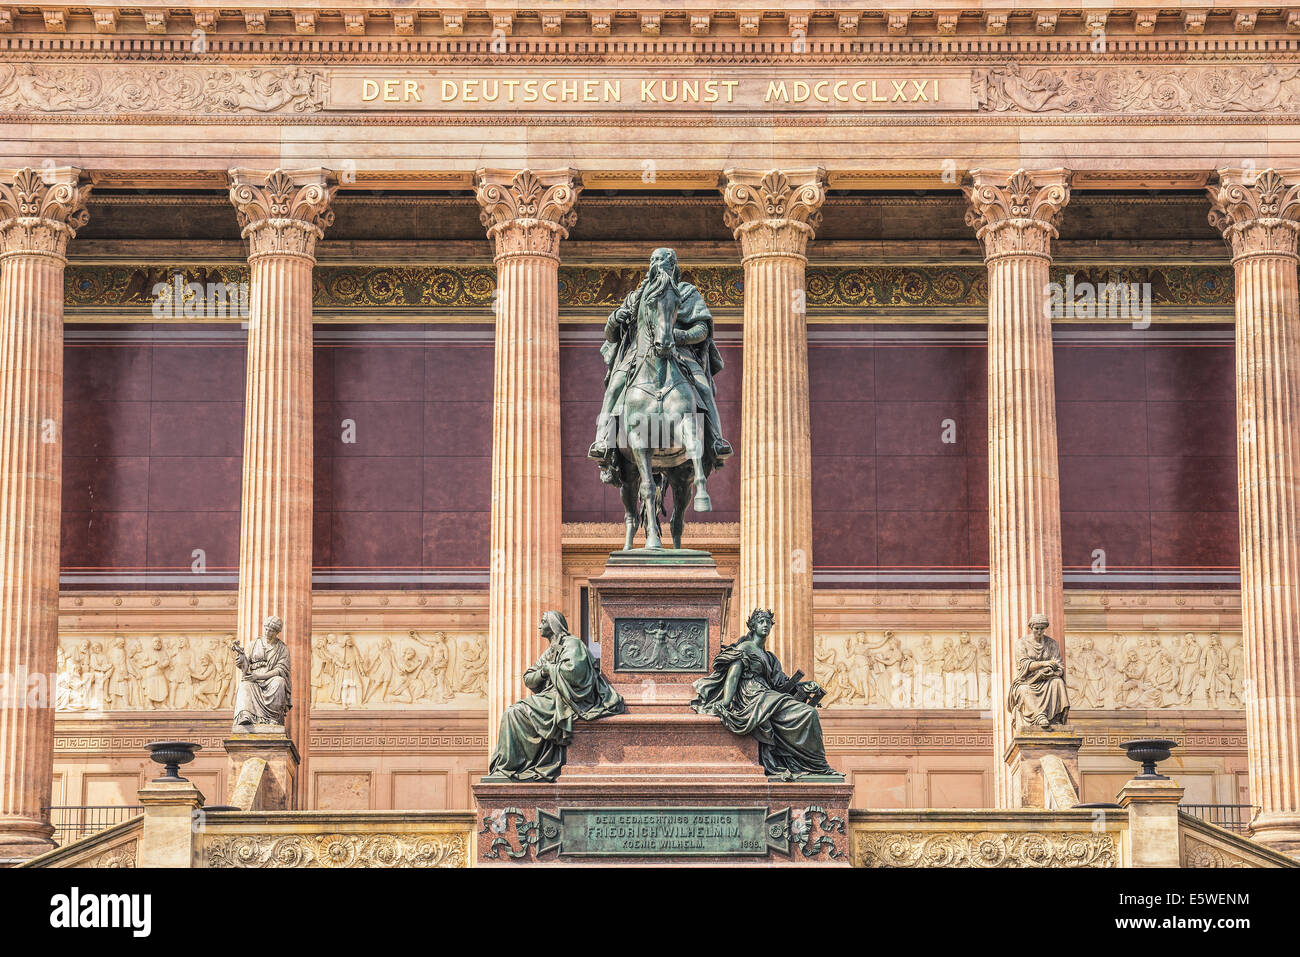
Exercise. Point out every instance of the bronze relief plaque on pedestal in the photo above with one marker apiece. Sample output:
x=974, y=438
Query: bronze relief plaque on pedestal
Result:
x=679, y=645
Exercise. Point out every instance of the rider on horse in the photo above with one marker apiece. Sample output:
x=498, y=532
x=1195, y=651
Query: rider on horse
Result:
x=696, y=356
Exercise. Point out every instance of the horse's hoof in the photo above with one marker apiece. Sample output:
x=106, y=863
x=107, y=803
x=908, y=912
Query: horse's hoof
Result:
x=702, y=503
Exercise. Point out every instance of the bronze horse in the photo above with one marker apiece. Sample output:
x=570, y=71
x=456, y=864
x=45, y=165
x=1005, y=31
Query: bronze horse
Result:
x=661, y=431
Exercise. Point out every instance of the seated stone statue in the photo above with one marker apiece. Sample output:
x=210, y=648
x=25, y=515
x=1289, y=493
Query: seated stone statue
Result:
x=1038, y=698
x=566, y=683
x=750, y=693
x=263, y=696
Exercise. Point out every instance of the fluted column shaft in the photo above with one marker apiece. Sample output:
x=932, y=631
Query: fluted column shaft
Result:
x=40, y=210
x=1259, y=216
x=283, y=214
x=527, y=215
x=1014, y=215
x=774, y=215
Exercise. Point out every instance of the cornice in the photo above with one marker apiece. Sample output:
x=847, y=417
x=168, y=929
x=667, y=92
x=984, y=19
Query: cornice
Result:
x=670, y=24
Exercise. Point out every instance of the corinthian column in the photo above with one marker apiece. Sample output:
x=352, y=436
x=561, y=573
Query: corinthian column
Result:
x=1259, y=216
x=527, y=214
x=282, y=214
x=40, y=210
x=1015, y=217
x=773, y=215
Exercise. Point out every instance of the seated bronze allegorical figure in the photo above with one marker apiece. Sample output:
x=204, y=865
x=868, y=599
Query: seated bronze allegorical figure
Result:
x=752, y=696
x=566, y=683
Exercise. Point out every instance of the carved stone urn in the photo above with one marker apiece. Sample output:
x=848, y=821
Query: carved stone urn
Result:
x=171, y=755
x=1148, y=752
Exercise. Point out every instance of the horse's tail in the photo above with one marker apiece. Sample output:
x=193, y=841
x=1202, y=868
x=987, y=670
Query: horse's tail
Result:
x=661, y=483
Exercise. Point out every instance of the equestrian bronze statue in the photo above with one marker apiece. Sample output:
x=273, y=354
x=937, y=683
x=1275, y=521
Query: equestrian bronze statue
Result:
x=659, y=423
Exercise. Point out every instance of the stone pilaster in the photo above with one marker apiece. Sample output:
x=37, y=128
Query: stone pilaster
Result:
x=1014, y=215
x=774, y=215
x=527, y=214
x=40, y=210
x=1259, y=214
x=282, y=214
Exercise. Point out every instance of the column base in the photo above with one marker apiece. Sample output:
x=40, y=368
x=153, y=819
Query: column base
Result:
x=1038, y=785
x=21, y=839
x=278, y=790
x=1280, y=832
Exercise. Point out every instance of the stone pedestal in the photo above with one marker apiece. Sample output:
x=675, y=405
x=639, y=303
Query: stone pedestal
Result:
x=658, y=618
x=1033, y=779
x=1152, y=805
x=278, y=791
x=167, y=839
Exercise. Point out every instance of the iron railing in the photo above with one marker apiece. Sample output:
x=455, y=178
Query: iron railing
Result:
x=1233, y=817
x=75, y=821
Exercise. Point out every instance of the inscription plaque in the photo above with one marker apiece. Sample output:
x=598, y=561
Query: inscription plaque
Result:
x=661, y=644
x=666, y=832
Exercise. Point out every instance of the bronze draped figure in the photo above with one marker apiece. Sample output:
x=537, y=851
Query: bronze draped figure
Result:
x=751, y=695
x=566, y=683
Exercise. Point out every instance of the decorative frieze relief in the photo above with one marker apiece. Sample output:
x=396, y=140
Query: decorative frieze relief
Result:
x=338, y=850
x=1015, y=88
x=115, y=672
x=904, y=670
x=44, y=88
x=1104, y=671
x=398, y=670
x=472, y=287
x=984, y=849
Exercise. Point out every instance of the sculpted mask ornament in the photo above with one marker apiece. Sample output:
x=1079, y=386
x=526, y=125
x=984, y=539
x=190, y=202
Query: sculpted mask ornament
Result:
x=41, y=209
x=1038, y=698
x=263, y=696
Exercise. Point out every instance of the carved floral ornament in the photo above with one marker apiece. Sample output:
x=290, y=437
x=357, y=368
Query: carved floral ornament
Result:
x=774, y=212
x=1016, y=212
x=40, y=210
x=526, y=211
x=283, y=211
x=1258, y=213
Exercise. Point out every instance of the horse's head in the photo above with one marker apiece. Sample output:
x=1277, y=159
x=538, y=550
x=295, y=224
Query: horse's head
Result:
x=660, y=294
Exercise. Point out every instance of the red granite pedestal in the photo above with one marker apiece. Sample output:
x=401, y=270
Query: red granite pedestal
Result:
x=662, y=785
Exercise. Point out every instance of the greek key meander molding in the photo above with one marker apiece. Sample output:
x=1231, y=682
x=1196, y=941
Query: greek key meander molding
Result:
x=981, y=849
x=431, y=849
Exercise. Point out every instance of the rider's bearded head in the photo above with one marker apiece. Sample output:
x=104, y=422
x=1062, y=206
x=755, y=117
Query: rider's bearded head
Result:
x=662, y=272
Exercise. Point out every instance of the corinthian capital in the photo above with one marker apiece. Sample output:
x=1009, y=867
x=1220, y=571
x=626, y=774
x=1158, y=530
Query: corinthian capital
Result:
x=1016, y=213
x=283, y=212
x=527, y=212
x=1258, y=213
x=773, y=213
x=41, y=209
